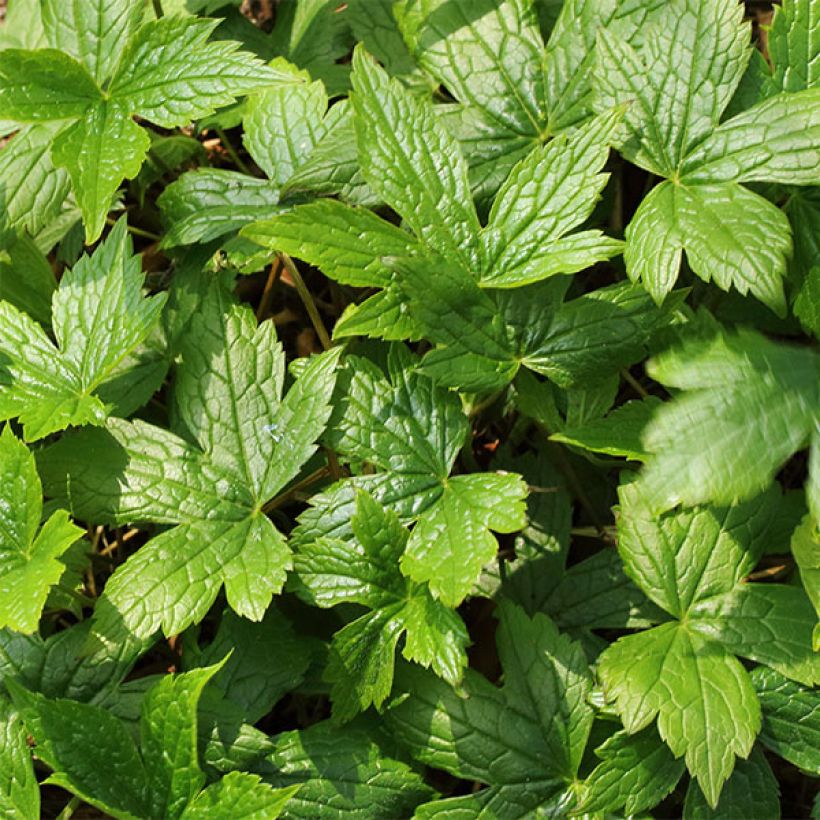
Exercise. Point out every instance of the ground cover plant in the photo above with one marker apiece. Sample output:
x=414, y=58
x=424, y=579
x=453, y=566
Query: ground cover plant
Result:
x=409, y=409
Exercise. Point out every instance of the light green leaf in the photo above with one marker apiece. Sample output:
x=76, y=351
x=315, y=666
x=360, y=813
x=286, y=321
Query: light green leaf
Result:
x=636, y=773
x=168, y=741
x=617, y=434
x=19, y=790
x=747, y=405
x=418, y=171
x=109, y=774
x=210, y=202
x=767, y=623
x=350, y=247
x=340, y=771
x=791, y=719
x=99, y=317
x=32, y=189
x=282, y=124
x=805, y=546
x=547, y=194
x=774, y=141
x=751, y=791
x=690, y=556
x=44, y=85
x=732, y=237
x=236, y=795
x=366, y=571
x=99, y=152
x=92, y=31
x=794, y=45
x=251, y=443
x=170, y=74
x=702, y=696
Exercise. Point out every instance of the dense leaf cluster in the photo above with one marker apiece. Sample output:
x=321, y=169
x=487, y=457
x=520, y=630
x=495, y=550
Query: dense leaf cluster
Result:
x=410, y=408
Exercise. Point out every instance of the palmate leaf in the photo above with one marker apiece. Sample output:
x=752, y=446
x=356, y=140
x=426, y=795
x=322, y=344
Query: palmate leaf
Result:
x=165, y=71
x=410, y=431
x=421, y=174
x=684, y=672
x=524, y=741
x=680, y=82
x=99, y=317
x=512, y=93
x=747, y=404
x=366, y=572
x=250, y=442
x=19, y=790
x=160, y=778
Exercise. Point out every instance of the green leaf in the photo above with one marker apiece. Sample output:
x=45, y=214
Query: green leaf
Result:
x=732, y=237
x=411, y=432
x=210, y=202
x=33, y=188
x=702, y=696
x=99, y=317
x=170, y=74
x=109, y=774
x=524, y=740
x=366, y=571
x=26, y=278
x=636, y=773
x=44, y=85
x=92, y=32
x=617, y=434
x=168, y=741
x=791, y=718
x=99, y=152
x=805, y=546
x=250, y=443
x=29, y=559
x=419, y=172
x=751, y=791
x=546, y=195
x=239, y=794
x=19, y=790
x=794, y=45
x=768, y=623
x=341, y=771
x=747, y=405
x=350, y=248
x=282, y=124
x=690, y=556
x=774, y=141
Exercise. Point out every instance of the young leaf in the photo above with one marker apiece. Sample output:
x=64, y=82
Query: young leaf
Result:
x=340, y=770
x=19, y=790
x=636, y=773
x=411, y=432
x=524, y=741
x=680, y=81
x=366, y=572
x=747, y=405
x=29, y=555
x=250, y=443
x=239, y=794
x=684, y=671
x=791, y=719
x=99, y=317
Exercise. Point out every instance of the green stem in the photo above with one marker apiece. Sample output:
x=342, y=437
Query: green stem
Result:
x=137, y=231
x=307, y=301
x=235, y=158
x=157, y=8
x=634, y=383
x=69, y=808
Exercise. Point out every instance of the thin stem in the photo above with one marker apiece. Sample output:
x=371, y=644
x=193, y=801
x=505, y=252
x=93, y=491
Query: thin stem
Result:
x=83, y=599
x=228, y=146
x=280, y=499
x=267, y=293
x=154, y=237
x=69, y=808
x=307, y=301
x=157, y=8
x=634, y=383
